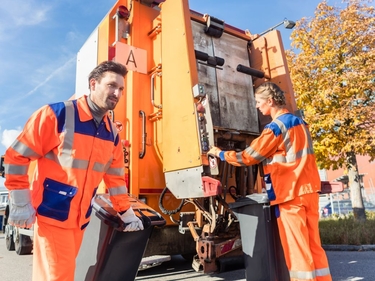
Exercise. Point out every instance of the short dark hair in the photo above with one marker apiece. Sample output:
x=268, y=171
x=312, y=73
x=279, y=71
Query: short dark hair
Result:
x=107, y=66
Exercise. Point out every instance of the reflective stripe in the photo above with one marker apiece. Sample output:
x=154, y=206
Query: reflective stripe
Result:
x=99, y=167
x=275, y=159
x=116, y=171
x=285, y=134
x=304, y=152
x=68, y=162
x=24, y=150
x=119, y=190
x=65, y=159
x=67, y=145
x=239, y=158
x=11, y=169
x=290, y=156
x=108, y=165
x=253, y=153
x=308, y=275
x=302, y=275
x=80, y=164
x=102, y=168
x=322, y=272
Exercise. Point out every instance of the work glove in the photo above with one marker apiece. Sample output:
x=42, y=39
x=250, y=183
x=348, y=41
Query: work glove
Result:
x=21, y=211
x=132, y=222
x=214, y=151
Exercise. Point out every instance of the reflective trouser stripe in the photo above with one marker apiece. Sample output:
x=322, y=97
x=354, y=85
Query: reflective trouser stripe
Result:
x=302, y=275
x=54, y=252
x=322, y=272
x=310, y=275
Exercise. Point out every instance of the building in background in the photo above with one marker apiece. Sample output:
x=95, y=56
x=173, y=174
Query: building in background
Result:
x=366, y=170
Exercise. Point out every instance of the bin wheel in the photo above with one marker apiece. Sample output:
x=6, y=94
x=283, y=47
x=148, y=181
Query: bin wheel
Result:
x=5, y=222
x=23, y=244
x=9, y=238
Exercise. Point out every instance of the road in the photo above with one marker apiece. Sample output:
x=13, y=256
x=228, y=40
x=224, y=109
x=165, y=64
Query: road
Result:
x=344, y=265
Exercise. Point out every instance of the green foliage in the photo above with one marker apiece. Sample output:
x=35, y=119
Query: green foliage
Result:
x=332, y=63
x=345, y=230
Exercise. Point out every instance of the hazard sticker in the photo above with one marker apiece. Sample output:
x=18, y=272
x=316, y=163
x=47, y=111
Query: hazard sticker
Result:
x=119, y=126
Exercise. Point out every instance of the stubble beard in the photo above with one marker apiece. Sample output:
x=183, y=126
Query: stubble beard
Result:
x=110, y=105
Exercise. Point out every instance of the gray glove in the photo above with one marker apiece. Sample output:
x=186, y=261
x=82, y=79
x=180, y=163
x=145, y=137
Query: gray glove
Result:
x=21, y=211
x=132, y=222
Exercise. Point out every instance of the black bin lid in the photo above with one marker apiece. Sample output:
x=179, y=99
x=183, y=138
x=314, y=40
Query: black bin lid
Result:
x=102, y=205
x=251, y=199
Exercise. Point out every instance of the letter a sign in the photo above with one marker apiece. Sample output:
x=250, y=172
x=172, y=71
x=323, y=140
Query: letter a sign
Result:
x=135, y=59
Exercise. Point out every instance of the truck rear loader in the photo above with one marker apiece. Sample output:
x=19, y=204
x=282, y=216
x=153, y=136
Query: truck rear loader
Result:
x=190, y=85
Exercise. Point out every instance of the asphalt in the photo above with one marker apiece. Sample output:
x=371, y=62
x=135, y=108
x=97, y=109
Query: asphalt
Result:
x=357, y=248
x=347, y=263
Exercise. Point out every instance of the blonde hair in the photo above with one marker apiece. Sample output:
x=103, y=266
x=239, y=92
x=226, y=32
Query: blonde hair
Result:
x=271, y=90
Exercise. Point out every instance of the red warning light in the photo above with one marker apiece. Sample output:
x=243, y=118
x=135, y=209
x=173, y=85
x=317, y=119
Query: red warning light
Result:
x=123, y=12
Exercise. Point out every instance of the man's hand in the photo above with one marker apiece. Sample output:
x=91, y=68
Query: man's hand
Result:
x=132, y=222
x=214, y=151
x=21, y=211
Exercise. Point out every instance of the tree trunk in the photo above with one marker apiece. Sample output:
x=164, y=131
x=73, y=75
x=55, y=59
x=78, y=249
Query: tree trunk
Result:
x=355, y=187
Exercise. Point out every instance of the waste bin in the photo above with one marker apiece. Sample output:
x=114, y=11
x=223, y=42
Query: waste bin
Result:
x=263, y=254
x=108, y=253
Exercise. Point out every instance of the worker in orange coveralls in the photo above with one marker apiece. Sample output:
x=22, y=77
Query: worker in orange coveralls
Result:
x=76, y=145
x=292, y=183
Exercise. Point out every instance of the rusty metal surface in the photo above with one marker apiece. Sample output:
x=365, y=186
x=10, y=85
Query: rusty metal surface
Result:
x=209, y=251
x=230, y=92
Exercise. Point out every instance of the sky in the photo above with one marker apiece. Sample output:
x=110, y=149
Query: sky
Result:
x=39, y=41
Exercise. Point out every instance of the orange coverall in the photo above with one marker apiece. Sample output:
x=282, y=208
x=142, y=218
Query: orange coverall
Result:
x=73, y=156
x=292, y=183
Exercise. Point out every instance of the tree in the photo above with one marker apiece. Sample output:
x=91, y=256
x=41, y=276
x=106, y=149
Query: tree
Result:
x=332, y=65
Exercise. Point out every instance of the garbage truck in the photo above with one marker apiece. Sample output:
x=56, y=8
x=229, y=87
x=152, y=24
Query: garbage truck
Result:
x=190, y=86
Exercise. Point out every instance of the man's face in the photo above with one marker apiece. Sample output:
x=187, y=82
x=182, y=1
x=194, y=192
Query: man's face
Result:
x=107, y=92
x=264, y=105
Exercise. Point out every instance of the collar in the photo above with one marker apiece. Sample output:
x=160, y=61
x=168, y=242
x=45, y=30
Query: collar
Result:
x=280, y=112
x=84, y=112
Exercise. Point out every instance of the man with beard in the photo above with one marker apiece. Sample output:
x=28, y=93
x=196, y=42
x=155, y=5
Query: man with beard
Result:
x=76, y=146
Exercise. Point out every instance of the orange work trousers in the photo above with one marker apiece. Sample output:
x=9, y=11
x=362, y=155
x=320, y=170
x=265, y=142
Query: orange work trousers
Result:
x=299, y=234
x=54, y=252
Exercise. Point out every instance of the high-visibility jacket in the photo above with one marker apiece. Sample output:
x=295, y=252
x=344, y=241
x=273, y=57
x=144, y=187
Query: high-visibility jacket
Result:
x=286, y=152
x=73, y=156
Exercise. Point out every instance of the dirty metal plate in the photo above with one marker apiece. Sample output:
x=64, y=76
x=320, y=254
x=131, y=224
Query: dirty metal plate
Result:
x=231, y=93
